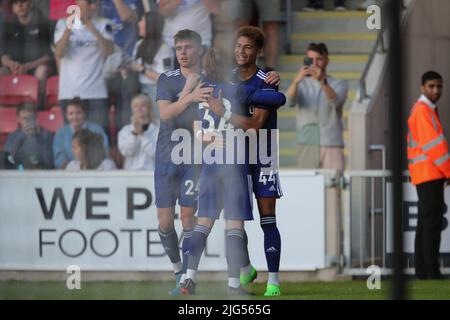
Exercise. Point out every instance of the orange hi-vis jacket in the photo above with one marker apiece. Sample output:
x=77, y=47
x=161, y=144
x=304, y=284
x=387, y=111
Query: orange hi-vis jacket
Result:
x=428, y=154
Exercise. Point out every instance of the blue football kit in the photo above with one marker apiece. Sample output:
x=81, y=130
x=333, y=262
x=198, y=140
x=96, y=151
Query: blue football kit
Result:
x=265, y=177
x=175, y=181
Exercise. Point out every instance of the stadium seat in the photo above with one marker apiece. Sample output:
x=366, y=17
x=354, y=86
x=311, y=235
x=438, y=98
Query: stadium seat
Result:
x=18, y=89
x=51, y=119
x=51, y=92
x=8, y=124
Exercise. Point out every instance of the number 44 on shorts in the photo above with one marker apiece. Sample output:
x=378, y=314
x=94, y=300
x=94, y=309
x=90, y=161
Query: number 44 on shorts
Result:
x=264, y=178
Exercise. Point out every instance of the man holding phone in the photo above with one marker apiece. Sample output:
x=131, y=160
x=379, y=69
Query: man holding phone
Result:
x=30, y=146
x=320, y=99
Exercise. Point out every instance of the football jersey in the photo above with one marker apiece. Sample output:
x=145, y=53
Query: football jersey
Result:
x=231, y=100
x=169, y=87
x=257, y=82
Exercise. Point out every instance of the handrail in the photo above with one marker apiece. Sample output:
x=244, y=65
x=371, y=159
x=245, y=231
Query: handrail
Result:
x=288, y=40
x=362, y=89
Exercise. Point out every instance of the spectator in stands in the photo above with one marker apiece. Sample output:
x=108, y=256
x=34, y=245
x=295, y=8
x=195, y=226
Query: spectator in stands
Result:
x=192, y=14
x=82, y=52
x=313, y=5
x=320, y=98
x=88, y=152
x=269, y=15
x=30, y=146
x=123, y=15
x=137, y=141
x=122, y=87
x=62, y=143
x=152, y=55
x=224, y=27
x=26, y=43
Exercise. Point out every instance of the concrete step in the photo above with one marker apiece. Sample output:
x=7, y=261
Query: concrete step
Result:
x=338, y=63
x=337, y=43
x=330, y=21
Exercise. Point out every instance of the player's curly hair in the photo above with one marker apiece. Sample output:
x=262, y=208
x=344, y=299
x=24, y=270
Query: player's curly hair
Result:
x=254, y=33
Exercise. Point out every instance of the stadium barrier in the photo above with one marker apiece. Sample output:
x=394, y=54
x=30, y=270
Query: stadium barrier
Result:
x=107, y=222
x=367, y=223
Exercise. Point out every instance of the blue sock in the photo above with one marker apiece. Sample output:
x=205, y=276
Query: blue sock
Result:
x=197, y=244
x=272, y=242
x=185, y=247
x=235, y=251
x=169, y=241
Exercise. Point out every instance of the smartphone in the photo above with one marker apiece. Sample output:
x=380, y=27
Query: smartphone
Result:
x=308, y=63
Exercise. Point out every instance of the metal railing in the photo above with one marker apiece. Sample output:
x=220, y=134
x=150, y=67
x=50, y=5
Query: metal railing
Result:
x=289, y=22
x=365, y=224
x=355, y=241
x=379, y=47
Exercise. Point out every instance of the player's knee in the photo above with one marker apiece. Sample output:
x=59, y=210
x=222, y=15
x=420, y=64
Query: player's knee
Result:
x=188, y=221
x=266, y=207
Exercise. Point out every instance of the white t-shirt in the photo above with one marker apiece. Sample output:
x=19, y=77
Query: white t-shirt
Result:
x=162, y=62
x=106, y=165
x=139, y=151
x=81, y=67
x=190, y=14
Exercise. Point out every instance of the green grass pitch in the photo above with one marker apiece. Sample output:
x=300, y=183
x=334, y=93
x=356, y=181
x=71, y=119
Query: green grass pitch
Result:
x=146, y=290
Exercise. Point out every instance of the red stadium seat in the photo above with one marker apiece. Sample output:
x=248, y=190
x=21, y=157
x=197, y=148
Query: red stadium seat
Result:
x=8, y=124
x=8, y=120
x=18, y=89
x=51, y=119
x=51, y=92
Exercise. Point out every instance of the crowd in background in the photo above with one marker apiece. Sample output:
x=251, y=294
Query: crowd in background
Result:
x=108, y=66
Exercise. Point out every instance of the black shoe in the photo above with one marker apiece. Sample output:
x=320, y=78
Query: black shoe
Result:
x=239, y=291
x=188, y=287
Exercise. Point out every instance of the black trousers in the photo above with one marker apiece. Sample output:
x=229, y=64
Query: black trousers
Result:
x=429, y=227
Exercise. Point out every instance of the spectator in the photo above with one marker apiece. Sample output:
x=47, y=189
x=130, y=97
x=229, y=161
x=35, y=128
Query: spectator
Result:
x=269, y=15
x=88, y=152
x=123, y=16
x=62, y=144
x=152, y=55
x=30, y=146
x=320, y=98
x=313, y=5
x=137, y=141
x=82, y=52
x=26, y=43
x=188, y=14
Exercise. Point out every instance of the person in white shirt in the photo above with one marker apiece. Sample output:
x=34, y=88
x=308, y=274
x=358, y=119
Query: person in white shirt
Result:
x=89, y=154
x=188, y=14
x=152, y=55
x=137, y=141
x=82, y=49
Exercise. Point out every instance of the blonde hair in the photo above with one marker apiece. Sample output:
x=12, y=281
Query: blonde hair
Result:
x=146, y=100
